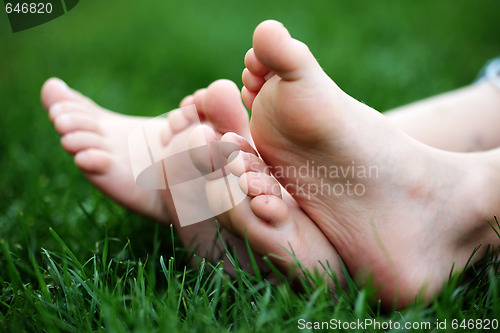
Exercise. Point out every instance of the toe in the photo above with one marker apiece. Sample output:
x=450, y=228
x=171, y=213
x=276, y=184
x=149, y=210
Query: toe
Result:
x=241, y=162
x=251, y=81
x=180, y=119
x=242, y=143
x=254, y=65
x=241, y=155
x=279, y=52
x=223, y=108
x=59, y=108
x=266, y=222
x=199, y=151
x=200, y=136
x=271, y=209
x=166, y=135
x=54, y=90
x=93, y=160
x=177, y=121
x=258, y=183
x=248, y=97
x=70, y=122
x=81, y=140
x=188, y=100
x=198, y=100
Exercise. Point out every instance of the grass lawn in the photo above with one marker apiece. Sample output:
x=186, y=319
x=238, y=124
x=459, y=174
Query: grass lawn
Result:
x=72, y=260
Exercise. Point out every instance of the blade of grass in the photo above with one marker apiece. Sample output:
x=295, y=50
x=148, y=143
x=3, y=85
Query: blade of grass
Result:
x=15, y=278
x=67, y=250
x=255, y=268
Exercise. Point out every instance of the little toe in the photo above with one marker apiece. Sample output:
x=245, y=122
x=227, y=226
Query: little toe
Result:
x=70, y=122
x=81, y=140
x=93, y=160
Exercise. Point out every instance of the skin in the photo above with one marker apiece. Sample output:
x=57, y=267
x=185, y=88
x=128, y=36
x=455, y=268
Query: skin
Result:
x=463, y=120
x=424, y=211
x=95, y=136
x=268, y=216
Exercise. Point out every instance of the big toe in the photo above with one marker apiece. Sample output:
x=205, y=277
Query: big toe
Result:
x=55, y=90
x=224, y=110
x=271, y=209
x=279, y=52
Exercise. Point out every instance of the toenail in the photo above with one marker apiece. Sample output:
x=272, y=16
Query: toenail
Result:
x=55, y=110
x=253, y=173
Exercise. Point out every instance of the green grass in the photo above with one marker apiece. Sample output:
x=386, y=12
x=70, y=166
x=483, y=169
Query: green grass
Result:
x=72, y=260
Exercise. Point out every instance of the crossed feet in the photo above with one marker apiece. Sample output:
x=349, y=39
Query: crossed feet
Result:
x=417, y=212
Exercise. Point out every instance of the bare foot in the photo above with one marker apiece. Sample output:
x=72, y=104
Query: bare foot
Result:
x=97, y=139
x=394, y=208
x=268, y=216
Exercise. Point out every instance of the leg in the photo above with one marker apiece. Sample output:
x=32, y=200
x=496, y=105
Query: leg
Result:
x=463, y=120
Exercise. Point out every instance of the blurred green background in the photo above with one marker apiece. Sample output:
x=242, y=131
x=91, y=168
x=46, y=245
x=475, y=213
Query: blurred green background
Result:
x=142, y=57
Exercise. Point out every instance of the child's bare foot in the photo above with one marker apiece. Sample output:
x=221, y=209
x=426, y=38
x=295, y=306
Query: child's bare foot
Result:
x=97, y=137
x=392, y=207
x=268, y=216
